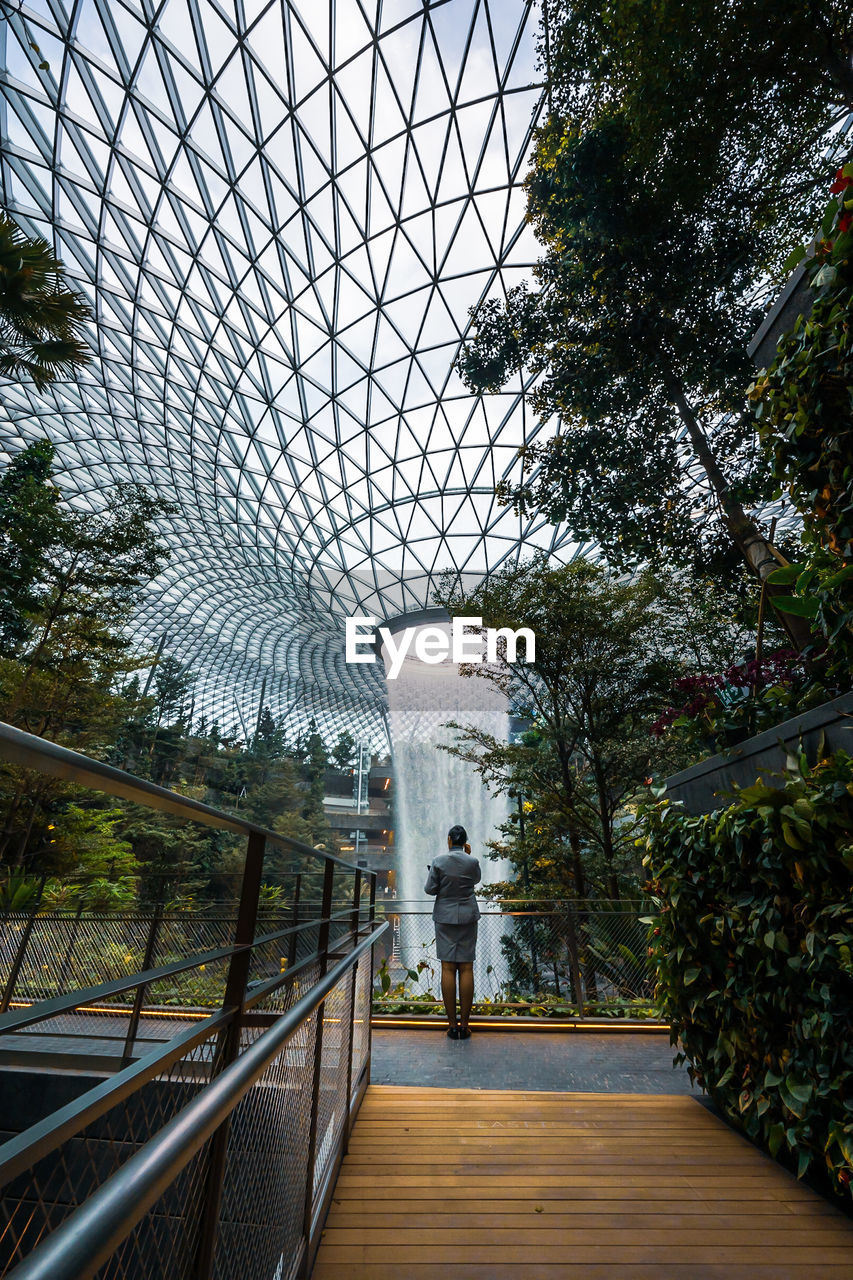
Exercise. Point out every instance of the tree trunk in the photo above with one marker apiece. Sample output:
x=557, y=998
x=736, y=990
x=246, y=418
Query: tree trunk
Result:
x=21, y=857
x=604, y=805
x=577, y=864
x=14, y=704
x=758, y=552
x=9, y=827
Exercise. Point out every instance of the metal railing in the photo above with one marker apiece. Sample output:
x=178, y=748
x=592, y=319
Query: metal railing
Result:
x=214, y=1153
x=531, y=956
x=579, y=957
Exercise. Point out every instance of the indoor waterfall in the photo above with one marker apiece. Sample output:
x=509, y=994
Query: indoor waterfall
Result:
x=434, y=790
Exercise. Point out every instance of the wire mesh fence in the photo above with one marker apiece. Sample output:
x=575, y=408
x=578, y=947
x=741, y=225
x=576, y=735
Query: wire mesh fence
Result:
x=544, y=958
x=266, y=1182
x=59, y=952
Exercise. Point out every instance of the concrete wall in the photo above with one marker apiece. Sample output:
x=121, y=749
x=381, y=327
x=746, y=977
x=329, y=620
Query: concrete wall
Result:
x=796, y=299
x=699, y=787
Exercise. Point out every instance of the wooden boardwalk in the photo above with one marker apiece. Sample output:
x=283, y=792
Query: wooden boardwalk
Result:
x=464, y=1184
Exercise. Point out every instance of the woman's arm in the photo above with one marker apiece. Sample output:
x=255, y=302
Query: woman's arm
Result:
x=432, y=882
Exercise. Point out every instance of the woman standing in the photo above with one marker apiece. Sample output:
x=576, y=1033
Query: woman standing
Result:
x=451, y=882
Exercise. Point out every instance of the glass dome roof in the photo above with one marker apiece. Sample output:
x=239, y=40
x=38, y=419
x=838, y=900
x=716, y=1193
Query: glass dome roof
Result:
x=281, y=212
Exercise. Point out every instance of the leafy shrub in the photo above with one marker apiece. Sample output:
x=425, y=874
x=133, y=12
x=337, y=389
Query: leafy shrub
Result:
x=752, y=946
x=18, y=892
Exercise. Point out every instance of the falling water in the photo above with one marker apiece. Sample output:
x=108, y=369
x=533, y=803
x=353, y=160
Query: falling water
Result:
x=434, y=790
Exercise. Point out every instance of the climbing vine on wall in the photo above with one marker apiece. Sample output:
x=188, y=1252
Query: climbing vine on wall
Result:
x=752, y=944
x=804, y=408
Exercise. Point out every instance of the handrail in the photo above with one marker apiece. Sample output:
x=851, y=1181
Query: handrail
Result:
x=31, y=752
x=398, y=906
x=90, y=1234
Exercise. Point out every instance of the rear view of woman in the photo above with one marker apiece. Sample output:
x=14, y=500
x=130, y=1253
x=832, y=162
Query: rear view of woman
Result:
x=451, y=882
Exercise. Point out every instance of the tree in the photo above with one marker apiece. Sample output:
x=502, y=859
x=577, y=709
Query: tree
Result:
x=637, y=330
x=803, y=410
x=603, y=664
x=175, y=857
x=76, y=577
x=173, y=684
x=83, y=842
x=636, y=337
x=91, y=579
x=343, y=752
x=740, y=94
x=41, y=318
x=30, y=525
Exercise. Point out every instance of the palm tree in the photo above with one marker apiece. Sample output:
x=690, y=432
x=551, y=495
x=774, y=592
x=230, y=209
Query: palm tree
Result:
x=40, y=317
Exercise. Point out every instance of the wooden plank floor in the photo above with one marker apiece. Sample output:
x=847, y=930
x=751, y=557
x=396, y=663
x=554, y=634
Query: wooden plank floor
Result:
x=463, y=1184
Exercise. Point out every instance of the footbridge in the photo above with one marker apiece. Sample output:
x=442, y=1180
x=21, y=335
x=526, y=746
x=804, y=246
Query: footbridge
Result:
x=210, y=1115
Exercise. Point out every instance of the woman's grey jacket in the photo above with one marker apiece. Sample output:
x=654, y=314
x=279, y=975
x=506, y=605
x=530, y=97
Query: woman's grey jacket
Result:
x=451, y=881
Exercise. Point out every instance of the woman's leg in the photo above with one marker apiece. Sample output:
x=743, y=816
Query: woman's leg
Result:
x=448, y=989
x=466, y=993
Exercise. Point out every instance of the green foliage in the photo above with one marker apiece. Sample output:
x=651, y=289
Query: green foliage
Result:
x=734, y=97
x=86, y=839
x=173, y=685
x=546, y=1006
x=71, y=580
x=804, y=408
x=344, y=751
x=85, y=572
x=41, y=318
x=606, y=654
x=18, y=892
x=636, y=332
x=753, y=945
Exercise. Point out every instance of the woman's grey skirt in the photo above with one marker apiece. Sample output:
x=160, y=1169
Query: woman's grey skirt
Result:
x=456, y=942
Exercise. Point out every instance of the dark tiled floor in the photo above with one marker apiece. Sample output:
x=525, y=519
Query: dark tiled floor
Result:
x=614, y=1062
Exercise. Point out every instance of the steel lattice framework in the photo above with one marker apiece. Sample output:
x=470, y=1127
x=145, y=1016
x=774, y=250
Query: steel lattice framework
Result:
x=280, y=211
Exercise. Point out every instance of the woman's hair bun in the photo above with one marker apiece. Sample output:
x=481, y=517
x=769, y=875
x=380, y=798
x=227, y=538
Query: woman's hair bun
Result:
x=457, y=835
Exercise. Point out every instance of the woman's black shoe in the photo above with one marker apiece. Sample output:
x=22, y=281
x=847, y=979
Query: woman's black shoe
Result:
x=453, y=1033
x=463, y=1034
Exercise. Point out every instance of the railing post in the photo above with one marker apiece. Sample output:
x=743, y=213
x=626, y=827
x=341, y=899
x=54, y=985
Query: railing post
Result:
x=574, y=963
x=590, y=978
x=531, y=942
x=323, y=950
x=17, y=963
x=372, y=919
x=69, y=950
x=356, y=914
x=147, y=963
x=356, y=905
x=294, y=937
x=229, y=1048
x=351, y=1024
